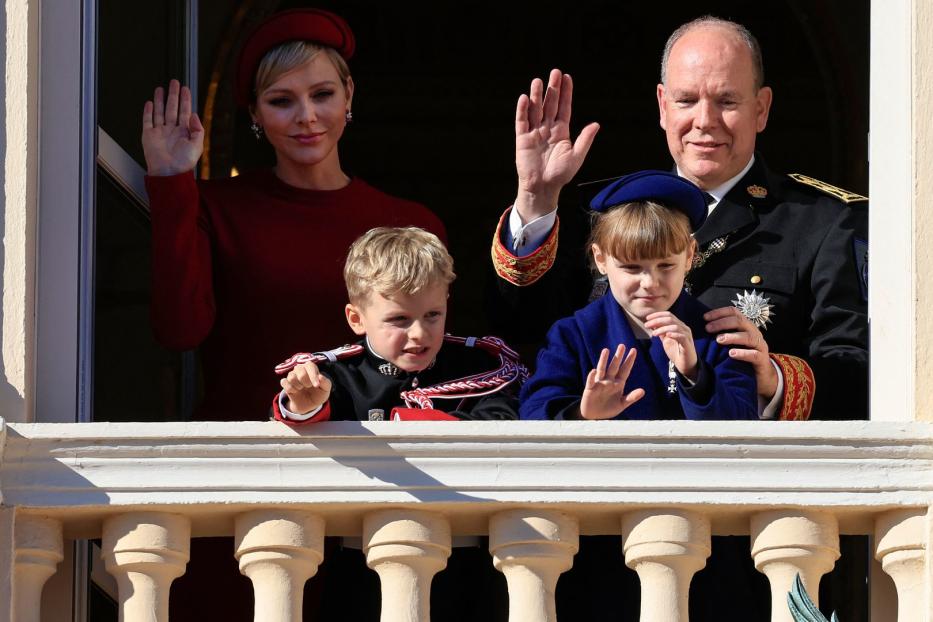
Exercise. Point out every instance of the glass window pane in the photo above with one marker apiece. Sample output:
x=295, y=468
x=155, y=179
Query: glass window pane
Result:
x=135, y=379
x=140, y=46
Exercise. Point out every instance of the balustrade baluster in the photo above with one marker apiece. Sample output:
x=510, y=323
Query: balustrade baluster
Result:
x=145, y=552
x=279, y=550
x=407, y=548
x=786, y=543
x=902, y=541
x=665, y=548
x=532, y=548
x=38, y=551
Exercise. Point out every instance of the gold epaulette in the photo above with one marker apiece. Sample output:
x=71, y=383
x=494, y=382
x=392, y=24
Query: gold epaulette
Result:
x=522, y=271
x=799, y=387
x=843, y=195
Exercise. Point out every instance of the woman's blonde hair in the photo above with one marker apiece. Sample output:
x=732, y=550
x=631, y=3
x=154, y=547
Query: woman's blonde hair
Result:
x=392, y=260
x=288, y=56
x=641, y=230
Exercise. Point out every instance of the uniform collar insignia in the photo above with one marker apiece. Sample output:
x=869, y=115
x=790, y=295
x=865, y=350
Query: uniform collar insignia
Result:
x=388, y=369
x=755, y=307
x=843, y=195
x=756, y=191
x=385, y=367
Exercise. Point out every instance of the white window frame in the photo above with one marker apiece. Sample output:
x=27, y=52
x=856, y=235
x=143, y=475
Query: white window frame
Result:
x=64, y=266
x=70, y=148
x=891, y=302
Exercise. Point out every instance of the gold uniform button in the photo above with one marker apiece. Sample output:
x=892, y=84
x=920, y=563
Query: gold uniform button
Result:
x=755, y=280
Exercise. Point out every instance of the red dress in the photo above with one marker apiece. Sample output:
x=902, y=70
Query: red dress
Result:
x=251, y=269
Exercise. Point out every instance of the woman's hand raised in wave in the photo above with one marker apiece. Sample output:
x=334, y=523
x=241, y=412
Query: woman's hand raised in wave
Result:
x=173, y=137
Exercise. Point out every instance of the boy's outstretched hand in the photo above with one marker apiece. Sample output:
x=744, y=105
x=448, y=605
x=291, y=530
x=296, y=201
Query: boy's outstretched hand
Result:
x=677, y=340
x=604, y=396
x=306, y=388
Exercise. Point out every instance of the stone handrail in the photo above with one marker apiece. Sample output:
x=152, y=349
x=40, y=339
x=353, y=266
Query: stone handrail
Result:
x=407, y=487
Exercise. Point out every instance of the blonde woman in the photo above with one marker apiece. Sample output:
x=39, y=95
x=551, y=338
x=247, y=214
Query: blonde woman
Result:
x=225, y=251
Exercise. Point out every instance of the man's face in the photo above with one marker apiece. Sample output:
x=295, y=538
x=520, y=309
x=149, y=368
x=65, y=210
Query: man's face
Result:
x=710, y=108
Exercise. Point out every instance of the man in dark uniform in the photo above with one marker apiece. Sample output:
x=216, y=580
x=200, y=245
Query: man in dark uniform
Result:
x=782, y=262
x=787, y=251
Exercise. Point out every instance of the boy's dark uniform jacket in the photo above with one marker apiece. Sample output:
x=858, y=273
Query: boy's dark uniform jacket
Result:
x=724, y=387
x=367, y=388
x=798, y=243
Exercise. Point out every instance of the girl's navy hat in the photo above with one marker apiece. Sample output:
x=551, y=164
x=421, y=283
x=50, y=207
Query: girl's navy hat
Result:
x=659, y=186
x=317, y=25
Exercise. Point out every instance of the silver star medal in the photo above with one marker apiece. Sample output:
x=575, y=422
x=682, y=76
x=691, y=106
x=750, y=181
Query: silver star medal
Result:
x=755, y=307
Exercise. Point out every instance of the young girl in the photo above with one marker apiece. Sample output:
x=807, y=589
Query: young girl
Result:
x=646, y=331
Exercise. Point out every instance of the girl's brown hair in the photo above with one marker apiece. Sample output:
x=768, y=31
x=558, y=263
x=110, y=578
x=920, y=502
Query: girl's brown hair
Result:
x=641, y=230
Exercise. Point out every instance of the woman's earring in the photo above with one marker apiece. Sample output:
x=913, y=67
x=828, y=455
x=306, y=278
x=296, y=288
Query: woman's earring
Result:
x=349, y=117
x=256, y=129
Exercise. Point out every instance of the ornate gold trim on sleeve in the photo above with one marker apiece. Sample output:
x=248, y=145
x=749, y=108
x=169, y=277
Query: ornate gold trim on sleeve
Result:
x=799, y=387
x=522, y=271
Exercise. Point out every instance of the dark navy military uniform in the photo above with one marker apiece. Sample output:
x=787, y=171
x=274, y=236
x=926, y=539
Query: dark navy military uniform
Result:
x=805, y=251
x=724, y=388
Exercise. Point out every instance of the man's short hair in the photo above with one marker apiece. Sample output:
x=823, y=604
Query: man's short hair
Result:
x=392, y=260
x=739, y=30
x=641, y=230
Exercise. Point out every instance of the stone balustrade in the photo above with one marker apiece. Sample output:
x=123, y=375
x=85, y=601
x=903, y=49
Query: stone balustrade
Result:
x=279, y=550
x=407, y=488
x=666, y=547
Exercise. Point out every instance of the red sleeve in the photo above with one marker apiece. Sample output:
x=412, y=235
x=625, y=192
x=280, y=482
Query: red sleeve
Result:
x=182, y=304
x=321, y=415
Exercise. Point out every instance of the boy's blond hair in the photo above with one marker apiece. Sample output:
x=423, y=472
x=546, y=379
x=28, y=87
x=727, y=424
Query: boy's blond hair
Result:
x=392, y=260
x=641, y=230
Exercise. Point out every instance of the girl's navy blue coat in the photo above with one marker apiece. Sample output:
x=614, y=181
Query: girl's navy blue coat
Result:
x=725, y=388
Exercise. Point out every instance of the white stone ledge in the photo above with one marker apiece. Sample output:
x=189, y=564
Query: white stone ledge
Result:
x=470, y=469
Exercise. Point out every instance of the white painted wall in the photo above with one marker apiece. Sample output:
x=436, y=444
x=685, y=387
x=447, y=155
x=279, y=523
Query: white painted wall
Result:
x=18, y=178
x=922, y=172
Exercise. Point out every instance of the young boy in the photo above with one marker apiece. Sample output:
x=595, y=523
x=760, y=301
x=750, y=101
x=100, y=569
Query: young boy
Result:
x=642, y=242
x=397, y=281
